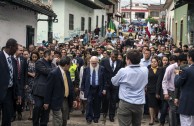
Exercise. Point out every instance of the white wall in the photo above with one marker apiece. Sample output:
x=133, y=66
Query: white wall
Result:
x=61, y=29
x=169, y=18
x=13, y=22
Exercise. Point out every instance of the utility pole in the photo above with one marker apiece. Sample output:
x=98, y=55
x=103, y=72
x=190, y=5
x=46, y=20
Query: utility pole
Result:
x=130, y=10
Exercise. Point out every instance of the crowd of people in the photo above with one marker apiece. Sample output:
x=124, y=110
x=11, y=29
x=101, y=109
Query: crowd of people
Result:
x=93, y=76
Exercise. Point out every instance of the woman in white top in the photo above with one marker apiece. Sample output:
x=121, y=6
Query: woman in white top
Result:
x=86, y=63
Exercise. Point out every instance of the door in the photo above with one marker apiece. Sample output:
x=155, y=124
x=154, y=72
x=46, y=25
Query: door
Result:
x=29, y=36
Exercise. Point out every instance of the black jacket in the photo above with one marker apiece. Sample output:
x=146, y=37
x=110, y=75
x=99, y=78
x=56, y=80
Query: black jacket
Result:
x=184, y=81
x=108, y=72
x=152, y=80
x=43, y=68
x=5, y=76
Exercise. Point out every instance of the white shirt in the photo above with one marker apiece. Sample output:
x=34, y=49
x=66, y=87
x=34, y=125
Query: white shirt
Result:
x=62, y=72
x=115, y=63
x=91, y=71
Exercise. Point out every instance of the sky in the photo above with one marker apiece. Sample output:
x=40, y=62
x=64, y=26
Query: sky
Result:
x=126, y=2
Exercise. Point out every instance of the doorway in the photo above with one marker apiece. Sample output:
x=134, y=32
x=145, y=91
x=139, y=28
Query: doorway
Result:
x=29, y=36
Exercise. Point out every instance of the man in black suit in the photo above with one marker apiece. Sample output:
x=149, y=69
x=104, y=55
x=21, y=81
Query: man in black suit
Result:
x=112, y=65
x=43, y=67
x=92, y=88
x=22, y=72
x=9, y=87
x=60, y=92
x=184, y=81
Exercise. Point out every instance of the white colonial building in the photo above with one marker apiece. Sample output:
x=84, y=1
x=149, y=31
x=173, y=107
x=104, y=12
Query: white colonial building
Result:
x=18, y=20
x=76, y=16
x=169, y=8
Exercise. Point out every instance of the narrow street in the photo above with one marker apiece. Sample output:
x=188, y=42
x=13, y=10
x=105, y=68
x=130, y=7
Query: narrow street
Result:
x=77, y=119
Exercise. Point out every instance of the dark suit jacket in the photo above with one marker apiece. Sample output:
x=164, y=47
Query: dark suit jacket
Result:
x=85, y=86
x=152, y=80
x=55, y=90
x=109, y=73
x=184, y=81
x=4, y=78
x=159, y=89
x=43, y=68
x=23, y=72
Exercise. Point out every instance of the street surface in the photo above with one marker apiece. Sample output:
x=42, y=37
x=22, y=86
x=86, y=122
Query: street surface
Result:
x=77, y=119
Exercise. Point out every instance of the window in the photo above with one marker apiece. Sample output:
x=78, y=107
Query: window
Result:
x=154, y=14
x=96, y=20
x=71, y=21
x=181, y=31
x=102, y=31
x=89, y=24
x=82, y=23
x=139, y=15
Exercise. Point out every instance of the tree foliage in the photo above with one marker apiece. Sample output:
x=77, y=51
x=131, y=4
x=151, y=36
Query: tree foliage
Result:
x=151, y=20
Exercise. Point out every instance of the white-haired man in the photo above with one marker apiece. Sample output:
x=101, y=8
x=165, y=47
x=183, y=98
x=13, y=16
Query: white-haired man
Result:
x=93, y=87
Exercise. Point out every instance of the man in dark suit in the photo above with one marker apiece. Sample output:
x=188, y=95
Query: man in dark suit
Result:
x=43, y=67
x=22, y=72
x=92, y=88
x=184, y=81
x=9, y=87
x=60, y=92
x=112, y=65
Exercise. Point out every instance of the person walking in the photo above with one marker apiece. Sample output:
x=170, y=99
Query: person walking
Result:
x=9, y=87
x=153, y=102
x=60, y=92
x=184, y=80
x=132, y=81
x=43, y=67
x=22, y=68
x=28, y=88
x=112, y=65
x=92, y=88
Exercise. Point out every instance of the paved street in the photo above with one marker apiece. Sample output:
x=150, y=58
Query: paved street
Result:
x=77, y=119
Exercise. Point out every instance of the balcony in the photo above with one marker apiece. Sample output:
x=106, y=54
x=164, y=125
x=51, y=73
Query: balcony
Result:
x=90, y=4
x=107, y=2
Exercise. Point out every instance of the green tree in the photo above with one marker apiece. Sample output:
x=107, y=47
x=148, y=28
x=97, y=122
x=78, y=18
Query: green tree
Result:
x=151, y=20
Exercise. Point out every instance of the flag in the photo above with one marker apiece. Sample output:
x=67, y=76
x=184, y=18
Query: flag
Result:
x=111, y=26
x=148, y=29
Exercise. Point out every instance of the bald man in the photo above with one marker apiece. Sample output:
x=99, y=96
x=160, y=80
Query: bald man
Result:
x=93, y=88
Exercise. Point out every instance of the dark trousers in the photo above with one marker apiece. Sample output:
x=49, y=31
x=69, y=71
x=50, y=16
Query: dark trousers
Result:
x=163, y=111
x=174, y=119
x=40, y=116
x=7, y=108
x=93, y=104
x=109, y=101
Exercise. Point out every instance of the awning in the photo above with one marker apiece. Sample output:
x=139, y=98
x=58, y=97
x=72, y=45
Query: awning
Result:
x=118, y=14
x=107, y=2
x=35, y=7
x=90, y=4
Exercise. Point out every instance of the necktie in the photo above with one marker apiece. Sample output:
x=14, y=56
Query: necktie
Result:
x=94, y=78
x=10, y=71
x=18, y=66
x=66, y=85
x=112, y=66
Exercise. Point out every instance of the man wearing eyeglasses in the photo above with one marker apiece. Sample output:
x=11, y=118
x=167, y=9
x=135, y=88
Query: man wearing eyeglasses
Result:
x=92, y=88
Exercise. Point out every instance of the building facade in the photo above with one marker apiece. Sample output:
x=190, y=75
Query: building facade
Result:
x=76, y=16
x=19, y=21
x=138, y=11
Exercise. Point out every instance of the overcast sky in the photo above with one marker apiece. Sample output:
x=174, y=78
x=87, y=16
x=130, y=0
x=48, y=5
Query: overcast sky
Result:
x=126, y=2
